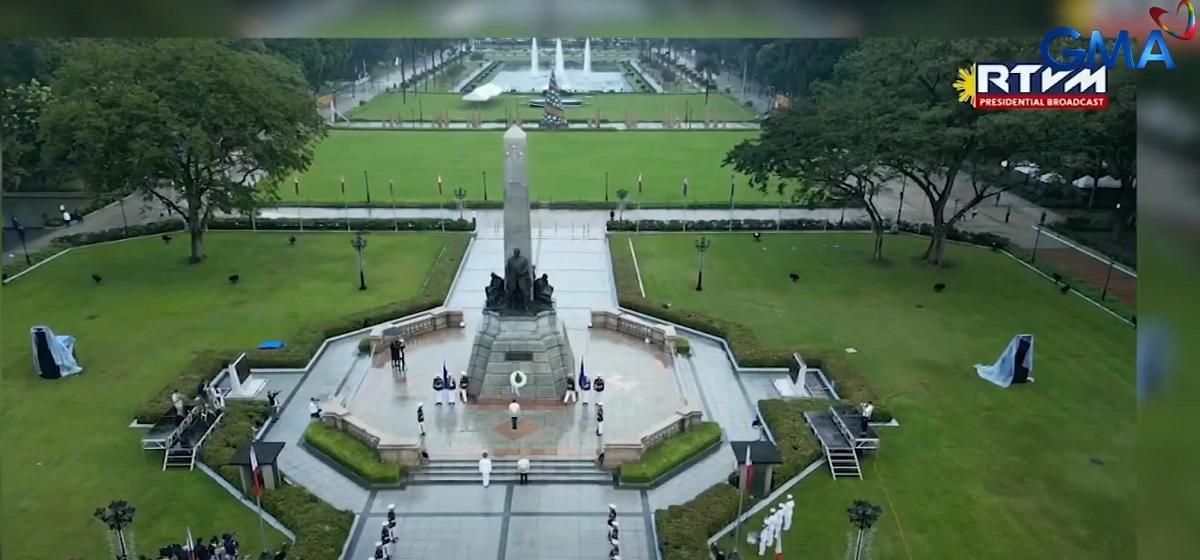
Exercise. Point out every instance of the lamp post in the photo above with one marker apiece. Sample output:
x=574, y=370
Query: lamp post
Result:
x=903, y=186
x=702, y=245
x=1037, y=237
x=359, y=243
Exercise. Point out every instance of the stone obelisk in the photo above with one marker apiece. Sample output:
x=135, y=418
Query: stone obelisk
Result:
x=516, y=195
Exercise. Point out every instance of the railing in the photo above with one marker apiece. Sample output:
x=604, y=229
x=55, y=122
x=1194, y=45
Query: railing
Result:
x=658, y=334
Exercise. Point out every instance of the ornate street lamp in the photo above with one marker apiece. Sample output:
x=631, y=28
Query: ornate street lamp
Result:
x=359, y=243
x=702, y=245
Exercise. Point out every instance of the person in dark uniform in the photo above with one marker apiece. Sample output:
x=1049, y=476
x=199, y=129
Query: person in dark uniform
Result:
x=571, y=395
x=599, y=418
x=612, y=514
x=403, y=362
x=394, y=349
x=385, y=534
x=585, y=385
x=391, y=516
x=463, y=383
x=273, y=402
x=598, y=386
x=438, y=386
x=450, y=387
x=421, y=418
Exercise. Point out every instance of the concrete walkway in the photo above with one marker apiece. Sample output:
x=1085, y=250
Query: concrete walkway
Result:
x=537, y=522
x=131, y=210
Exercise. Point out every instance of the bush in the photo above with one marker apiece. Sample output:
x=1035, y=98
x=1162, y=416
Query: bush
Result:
x=356, y=224
x=364, y=345
x=113, y=234
x=797, y=446
x=320, y=529
x=802, y=224
x=672, y=452
x=352, y=453
x=683, y=347
x=684, y=529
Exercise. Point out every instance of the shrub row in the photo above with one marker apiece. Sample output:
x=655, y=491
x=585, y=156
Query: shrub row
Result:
x=321, y=530
x=352, y=453
x=208, y=363
x=802, y=224
x=797, y=446
x=333, y=224
x=683, y=529
x=670, y=453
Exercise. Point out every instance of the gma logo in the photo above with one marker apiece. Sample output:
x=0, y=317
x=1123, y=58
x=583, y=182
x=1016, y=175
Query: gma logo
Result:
x=1098, y=52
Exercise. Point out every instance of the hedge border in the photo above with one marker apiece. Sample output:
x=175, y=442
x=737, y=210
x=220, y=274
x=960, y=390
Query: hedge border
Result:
x=678, y=467
x=347, y=468
x=565, y=205
x=321, y=530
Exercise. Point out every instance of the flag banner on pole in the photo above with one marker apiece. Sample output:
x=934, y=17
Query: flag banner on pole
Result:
x=190, y=545
x=731, y=183
x=390, y=191
x=439, y=184
x=583, y=378
x=297, y=184
x=255, y=473
x=685, y=186
x=639, y=183
x=343, y=184
x=748, y=473
x=445, y=375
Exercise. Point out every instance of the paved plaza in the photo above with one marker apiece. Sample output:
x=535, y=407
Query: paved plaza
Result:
x=541, y=520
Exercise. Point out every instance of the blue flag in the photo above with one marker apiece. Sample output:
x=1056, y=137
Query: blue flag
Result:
x=445, y=374
x=583, y=379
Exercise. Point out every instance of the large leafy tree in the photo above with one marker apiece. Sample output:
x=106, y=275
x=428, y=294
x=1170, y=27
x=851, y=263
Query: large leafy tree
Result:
x=902, y=95
x=196, y=124
x=804, y=147
x=20, y=114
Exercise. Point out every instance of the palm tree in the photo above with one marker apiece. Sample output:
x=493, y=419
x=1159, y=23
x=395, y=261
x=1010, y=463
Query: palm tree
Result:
x=460, y=194
x=622, y=194
x=118, y=516
x=863, y=515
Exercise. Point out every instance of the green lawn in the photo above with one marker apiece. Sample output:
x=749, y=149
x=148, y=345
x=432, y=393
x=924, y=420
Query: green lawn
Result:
x=641, y=106
x=67, y=447
x=563, y=166
x=974, y=471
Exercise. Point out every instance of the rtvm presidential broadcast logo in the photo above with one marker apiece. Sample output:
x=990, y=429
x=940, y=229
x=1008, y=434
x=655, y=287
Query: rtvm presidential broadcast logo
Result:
x=1076, y=78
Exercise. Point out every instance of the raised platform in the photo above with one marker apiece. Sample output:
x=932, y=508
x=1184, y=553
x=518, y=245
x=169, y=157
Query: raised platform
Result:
x=537, y=345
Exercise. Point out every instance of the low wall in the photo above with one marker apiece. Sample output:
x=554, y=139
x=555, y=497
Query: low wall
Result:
x=435, y=319
x=659, y=334
x=390, y=448
x=618, y=452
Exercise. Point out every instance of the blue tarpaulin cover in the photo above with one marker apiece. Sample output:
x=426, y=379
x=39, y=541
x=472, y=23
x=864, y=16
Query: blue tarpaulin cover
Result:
x=1008, y=370
x=56, y=357
x=270, y=345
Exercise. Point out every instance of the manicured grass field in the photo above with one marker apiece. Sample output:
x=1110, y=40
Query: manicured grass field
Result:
x=975, y=471
x=67, y=447
x=563, y=166
x=643, y=107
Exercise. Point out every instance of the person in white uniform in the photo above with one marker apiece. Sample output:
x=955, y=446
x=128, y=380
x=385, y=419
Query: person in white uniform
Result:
x=789, y=508
x=766, y=537
x=485, y=469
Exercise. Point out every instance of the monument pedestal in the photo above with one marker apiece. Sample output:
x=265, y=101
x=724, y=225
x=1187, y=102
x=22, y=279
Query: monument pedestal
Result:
x=535, y=344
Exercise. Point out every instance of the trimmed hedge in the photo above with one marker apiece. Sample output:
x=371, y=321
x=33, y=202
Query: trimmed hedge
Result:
x=802, y=224
x=670, y=453
x=304, y=343
x=683, y=347
x=334, y=224
x=320, y=529
x=351, y=453
x=797, y=445
x=684, y=529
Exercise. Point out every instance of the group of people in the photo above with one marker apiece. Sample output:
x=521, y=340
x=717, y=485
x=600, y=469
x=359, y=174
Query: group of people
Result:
x=399, y=364
x=387, y=536
x=447, y=392
x=614, y=534
x=485, y=469
x=581, y=392
x=225, y=547
x=209, y=398
x=778, y=520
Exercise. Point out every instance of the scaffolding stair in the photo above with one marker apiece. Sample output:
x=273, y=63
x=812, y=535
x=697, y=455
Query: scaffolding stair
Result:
x=843, y=463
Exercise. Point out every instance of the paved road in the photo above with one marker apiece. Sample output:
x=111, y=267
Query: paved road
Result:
x=131, y=210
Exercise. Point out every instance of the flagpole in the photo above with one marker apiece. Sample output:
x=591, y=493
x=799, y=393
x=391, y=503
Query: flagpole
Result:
x=392, y=192
x=346, y=204
x=299, y=205
x=731, y=183
x=262, y=532
x=737, y=528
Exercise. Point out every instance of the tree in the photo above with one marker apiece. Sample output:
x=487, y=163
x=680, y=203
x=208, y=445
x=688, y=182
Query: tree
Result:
x=707, y=65
x=118, y=516
x=216, y=125
x=863, y=515
x=902, y=96
x=622, y=194
x=804, y=146
x=20, y=116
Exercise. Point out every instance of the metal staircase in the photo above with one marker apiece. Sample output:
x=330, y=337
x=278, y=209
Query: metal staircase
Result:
x=843, y=463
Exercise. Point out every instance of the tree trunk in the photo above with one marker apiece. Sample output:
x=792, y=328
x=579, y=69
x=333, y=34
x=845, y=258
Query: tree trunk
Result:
x=196, y=230
x=935, y=254
x=877, y=230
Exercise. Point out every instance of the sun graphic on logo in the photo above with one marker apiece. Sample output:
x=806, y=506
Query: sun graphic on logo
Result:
x=965, y=84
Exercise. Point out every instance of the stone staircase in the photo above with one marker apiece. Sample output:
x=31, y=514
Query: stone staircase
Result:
x=556, y=471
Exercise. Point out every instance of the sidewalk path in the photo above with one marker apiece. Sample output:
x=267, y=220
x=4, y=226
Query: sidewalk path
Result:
x=136, y=212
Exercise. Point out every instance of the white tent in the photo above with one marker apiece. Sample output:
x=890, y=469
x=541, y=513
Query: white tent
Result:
x=1106, y=182
x=484, y=93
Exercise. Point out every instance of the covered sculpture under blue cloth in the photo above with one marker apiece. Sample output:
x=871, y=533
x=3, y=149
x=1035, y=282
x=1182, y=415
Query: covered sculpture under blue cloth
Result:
x=53, y=355
x=1015, y=364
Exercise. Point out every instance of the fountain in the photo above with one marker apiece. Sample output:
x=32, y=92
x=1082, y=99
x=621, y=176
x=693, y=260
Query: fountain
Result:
x=587, y=56
x=559, y=68
x=533, y=55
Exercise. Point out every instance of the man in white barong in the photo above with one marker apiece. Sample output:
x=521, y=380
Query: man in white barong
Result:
x=485, y=469
x=765, y=536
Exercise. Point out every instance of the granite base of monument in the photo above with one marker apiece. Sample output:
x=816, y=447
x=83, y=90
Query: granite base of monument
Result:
x=535, y=344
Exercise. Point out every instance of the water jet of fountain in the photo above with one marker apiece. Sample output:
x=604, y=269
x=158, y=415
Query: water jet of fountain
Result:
x=533, y=61
x=587, y=56
x=558, y=65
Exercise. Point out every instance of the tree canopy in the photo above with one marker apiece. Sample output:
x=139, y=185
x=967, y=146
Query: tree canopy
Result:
x=196, y=124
